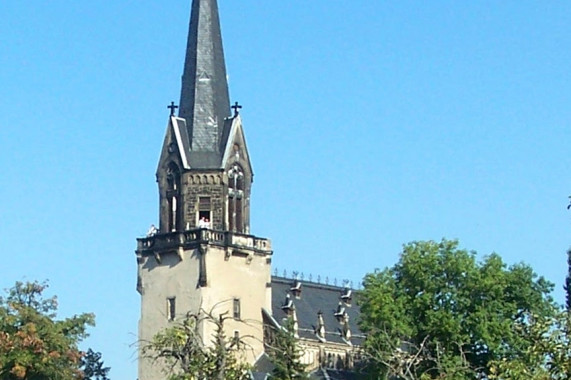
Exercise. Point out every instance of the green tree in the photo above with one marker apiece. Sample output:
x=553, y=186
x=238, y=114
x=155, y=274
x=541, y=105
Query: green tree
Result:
x=92, y=366
x=34, y=345
x=548, y=357
x=285, y=354
x=180, y=349
x=455, y=314
x=567, y=285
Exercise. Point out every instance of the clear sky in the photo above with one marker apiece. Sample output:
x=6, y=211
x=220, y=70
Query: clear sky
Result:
x=370, y=124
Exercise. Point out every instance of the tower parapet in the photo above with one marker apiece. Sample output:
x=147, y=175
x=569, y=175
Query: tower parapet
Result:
x=173, y=241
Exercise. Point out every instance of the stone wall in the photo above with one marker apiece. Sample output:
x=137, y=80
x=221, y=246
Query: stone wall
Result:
x=159, y=280
x=204, y=184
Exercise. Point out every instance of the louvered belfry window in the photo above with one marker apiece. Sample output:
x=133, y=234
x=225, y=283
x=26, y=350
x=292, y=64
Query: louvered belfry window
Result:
x=173, y=198
x=236, y=199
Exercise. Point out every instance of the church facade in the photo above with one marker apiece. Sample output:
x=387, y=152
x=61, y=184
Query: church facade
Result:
x=203, y=255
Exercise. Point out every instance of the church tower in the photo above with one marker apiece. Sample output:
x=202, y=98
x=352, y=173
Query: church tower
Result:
x=203, y=256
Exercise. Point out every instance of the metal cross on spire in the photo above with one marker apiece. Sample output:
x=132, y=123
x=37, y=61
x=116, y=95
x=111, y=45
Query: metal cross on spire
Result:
x=172, y=107
x=236, y=107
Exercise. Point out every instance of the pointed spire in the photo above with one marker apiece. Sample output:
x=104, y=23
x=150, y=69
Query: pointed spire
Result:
x=204, y=100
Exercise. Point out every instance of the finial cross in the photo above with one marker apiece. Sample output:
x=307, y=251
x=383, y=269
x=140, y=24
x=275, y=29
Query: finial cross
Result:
x=236, y=107
x=172, y=107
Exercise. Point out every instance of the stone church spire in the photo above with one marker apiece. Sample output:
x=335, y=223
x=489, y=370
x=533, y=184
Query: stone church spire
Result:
x=203, y=256
x=205, y=144
x=204, y=100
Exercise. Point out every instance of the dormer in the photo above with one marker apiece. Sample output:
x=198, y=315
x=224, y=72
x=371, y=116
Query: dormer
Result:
x=288, y=306
x=296, y=289
x=340, y=312
x=347, y=296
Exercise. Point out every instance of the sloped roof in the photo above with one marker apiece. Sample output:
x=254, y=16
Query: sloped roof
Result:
x=263, y=365
x=313, y=299
x=181, y=138
x=204, y=99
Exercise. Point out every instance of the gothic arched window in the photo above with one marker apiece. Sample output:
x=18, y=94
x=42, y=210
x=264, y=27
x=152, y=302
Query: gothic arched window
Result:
x=236, y=199
x=173, y=197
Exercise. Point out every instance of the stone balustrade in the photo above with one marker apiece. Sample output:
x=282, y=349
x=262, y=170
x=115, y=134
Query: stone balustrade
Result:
x=191, y=238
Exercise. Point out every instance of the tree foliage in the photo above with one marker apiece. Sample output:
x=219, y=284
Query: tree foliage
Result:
x=34, y=345
x=92, y=366
x=548, y=357
x=285, y=354
x=181, y=350
x=455, y=314
x=567, y=285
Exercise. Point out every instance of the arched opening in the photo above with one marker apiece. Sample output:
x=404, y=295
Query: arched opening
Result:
x=236, y=199
x=173, y=197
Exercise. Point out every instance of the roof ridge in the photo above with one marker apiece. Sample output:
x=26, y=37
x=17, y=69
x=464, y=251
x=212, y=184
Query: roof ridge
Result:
x=314, y=284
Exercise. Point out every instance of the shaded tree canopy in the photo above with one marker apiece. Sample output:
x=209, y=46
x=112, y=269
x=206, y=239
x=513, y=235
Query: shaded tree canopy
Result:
x=92, y=366
x=34, y=345
x=285, y=353
x=456, y=314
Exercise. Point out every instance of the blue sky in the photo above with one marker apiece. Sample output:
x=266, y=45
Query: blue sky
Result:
x=370, y=124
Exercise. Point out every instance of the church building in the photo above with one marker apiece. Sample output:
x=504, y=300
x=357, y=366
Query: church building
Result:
x=203, y=254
